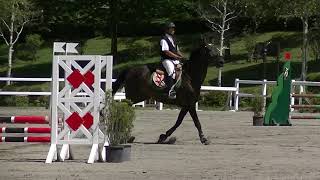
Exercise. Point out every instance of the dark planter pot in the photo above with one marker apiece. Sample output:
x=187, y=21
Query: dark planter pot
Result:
x=257, y=120
x=119, y=153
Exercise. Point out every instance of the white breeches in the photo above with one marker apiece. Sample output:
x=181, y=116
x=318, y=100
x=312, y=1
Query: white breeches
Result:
x=169, y=66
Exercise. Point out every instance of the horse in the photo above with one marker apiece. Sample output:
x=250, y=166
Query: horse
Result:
x=138, y=87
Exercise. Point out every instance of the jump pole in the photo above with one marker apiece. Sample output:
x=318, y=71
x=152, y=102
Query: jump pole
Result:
x=39, y=130
x=305, y=106
x=306, y=95
x=25, y=119
x=305, y=117
x=44, y=139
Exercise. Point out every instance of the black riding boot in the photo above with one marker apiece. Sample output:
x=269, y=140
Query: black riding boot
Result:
x=170, y=89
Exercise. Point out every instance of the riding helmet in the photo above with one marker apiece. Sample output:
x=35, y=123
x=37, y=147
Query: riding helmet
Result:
x=170, y=25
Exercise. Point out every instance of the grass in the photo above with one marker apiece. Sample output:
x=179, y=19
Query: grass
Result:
x=212, y=73
x=98, y=45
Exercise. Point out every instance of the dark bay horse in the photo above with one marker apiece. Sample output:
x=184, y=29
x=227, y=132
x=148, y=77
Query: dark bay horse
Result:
x=138, y=87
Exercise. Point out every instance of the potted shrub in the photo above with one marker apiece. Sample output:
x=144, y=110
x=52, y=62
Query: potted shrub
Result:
x=118, y=122
x=257, y=108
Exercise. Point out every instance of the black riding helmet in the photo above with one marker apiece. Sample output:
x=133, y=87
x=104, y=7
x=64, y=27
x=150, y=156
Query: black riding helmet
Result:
x=170, y=25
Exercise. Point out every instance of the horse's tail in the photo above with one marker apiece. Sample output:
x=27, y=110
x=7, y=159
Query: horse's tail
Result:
x=119, y=82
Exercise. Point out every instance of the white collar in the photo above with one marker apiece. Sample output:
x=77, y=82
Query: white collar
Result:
x=168, y=35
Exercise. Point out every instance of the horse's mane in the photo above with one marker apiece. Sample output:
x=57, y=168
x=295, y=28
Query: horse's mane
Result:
x=196, y=67
x=187, y=65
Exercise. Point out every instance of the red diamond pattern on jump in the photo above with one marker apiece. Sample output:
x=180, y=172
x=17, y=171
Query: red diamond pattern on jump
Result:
x=75, y=78
x=87, y=120
x=74, y=121
x=89, y=78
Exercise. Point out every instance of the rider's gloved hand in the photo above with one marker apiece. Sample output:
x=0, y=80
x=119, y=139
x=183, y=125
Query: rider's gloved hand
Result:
x=184, y=59
x=179, y=57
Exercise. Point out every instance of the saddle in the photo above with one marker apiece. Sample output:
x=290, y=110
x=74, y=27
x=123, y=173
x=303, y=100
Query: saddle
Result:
x=158, y=77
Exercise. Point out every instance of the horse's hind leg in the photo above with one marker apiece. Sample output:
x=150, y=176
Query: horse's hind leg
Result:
x=196, y=121
x=182, y=114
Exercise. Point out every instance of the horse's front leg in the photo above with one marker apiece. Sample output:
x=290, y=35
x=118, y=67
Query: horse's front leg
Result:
x=196, y=121
x=182, y=114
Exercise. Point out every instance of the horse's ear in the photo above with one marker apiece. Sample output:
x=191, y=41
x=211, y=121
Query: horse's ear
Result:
x=203, y=43
x=201, y=36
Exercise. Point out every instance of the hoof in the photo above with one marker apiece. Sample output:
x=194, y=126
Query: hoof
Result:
x=162, y=138
x=172, y=140
x=205, y=141
x=131, y=139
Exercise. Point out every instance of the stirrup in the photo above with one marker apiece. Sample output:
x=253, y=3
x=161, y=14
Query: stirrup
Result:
x=172, y=94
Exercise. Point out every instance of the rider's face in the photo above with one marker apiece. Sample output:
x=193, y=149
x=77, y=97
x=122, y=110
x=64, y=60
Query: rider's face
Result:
x=171, y=31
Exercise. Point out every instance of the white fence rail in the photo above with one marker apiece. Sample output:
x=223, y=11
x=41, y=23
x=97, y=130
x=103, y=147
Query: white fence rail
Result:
x=232, y=91
x=118, y=96
x=264, y=83
x=301, y=85
x=36, y=79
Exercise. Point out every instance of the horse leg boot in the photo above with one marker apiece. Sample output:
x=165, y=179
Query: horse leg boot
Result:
x=182, y=114
x=196, y=122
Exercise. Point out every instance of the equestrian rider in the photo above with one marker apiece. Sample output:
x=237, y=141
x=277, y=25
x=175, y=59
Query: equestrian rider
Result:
x=170, y=57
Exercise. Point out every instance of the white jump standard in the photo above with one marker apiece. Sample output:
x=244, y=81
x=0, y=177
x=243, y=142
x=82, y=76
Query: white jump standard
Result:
x=82, y=73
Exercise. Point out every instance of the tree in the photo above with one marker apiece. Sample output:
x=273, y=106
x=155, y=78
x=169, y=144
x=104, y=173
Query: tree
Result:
x=314, y=37
x=14, y=15
x=303, y=9
x=114, y=28
x=256, y=10
x=83, y=18
x=218, y=14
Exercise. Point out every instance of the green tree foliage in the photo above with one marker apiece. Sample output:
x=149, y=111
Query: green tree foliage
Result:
x=294, y=8
x=314, y=37
x=303, y=9
x=28, y=50
x=143, y=11
x=256, y=11
x=96, y=13
x=91, y=13
x=14, y=15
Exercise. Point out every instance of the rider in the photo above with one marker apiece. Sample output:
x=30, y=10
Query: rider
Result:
x=170, y=56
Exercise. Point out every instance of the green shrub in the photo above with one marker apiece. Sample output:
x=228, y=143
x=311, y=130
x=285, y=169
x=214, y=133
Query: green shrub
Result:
x=24, y=53
x=313, y=76
x=250, y=41
x=9, y=101
x=34, y=41
x=247, y=103
x=22, y=101
x=214, y=99
x=257, y=105
x=138, y=50
x=44, y=101
x=39, y=101
x=143, y=47
x=314, y=42
x=28, y=50
x=117, y=121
